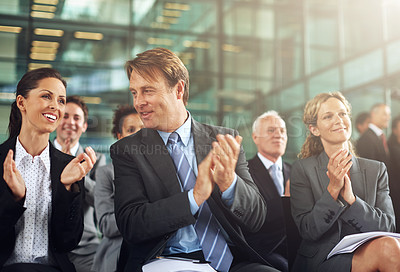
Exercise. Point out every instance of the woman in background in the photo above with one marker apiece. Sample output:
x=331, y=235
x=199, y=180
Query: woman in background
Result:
x=40, y=187
x=126, y=121
x=334, y=194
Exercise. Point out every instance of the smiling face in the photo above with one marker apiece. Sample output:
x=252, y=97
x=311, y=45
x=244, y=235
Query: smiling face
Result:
x=333, y=123
x=73, y=124
x=44, y=107
x=270, y=137
x=159, y=106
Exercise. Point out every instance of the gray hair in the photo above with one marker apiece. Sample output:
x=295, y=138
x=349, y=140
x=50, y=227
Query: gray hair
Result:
x=267, y=114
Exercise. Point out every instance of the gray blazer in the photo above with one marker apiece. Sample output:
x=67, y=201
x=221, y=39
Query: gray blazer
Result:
x=107, y=252
x=90, y=240
x=322, y=221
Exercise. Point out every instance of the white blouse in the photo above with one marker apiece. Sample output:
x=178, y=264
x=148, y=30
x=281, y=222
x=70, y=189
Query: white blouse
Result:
x=32, y=229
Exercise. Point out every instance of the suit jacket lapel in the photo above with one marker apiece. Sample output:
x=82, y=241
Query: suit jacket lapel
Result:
x=158, y=156
x=263, y=179
x=358, y=181
x=202, y=140
x=322, y=168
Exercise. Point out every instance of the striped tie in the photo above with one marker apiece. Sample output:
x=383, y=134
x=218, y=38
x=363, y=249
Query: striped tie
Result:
x=213, y=243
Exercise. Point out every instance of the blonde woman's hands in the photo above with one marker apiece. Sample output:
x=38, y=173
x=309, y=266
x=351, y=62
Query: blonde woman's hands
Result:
x=78, y=168
x=347, y=191
x=13, y=177
x=338, y=166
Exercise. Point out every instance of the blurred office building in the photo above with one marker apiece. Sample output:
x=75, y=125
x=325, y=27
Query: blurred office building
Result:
x=244, y=56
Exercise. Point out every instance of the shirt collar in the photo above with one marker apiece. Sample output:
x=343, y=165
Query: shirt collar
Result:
x=20, y=154
x=375, y=129
x=183, y=131
x=73, y=149
x=267, y=163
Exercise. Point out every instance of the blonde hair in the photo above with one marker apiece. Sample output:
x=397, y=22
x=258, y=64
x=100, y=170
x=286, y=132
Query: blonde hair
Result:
x=313, y=145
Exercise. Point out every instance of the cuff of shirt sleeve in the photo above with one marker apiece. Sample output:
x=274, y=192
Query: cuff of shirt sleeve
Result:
x=228, y=195
x=193, y=205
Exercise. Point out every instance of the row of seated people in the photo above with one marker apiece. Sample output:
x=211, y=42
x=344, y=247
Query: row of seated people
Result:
x=183, y=189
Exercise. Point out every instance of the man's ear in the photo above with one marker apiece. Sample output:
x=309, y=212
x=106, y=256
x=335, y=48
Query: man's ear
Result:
x=180, y=89
x=314, y=130
x=254, y=136
x=84, y=127
x=20, y=100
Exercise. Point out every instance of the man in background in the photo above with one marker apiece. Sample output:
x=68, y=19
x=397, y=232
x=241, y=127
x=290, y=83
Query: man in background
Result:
x=271, y=175
x=372, y=144
x=67, y=140
x=362, y=122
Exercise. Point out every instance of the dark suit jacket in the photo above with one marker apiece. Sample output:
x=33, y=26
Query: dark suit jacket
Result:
x=322, y=221
x=272, y=234
x=394, y=177
x=370, y=146
x=66, y=224
x=150, y=205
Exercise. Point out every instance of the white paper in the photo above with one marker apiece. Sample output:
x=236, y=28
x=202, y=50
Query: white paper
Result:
x=175, y=265
x=349, y=243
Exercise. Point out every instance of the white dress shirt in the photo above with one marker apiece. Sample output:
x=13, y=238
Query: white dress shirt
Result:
x=32, y=228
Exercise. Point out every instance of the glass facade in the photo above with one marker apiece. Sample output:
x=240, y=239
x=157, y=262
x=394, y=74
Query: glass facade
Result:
x=244, y=56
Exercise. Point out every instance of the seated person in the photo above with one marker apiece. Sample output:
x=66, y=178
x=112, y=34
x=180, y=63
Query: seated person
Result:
x=41, y=188
x=334, y=194
x=126, y=121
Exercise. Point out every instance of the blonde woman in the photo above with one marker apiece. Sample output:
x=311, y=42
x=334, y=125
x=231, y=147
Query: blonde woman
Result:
x=334, y=194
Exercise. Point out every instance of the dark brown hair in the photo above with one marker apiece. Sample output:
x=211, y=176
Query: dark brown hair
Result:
x=79, y=101
x=28, y=82
x=119, y=116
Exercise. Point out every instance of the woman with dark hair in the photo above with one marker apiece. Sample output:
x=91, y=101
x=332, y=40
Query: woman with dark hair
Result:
x=334, y=194
x=126, y=122
x=41, y=188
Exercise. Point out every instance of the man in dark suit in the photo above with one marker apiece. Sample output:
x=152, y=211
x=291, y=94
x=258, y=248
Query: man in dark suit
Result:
x=157, y=212
x=69, y=132
x=271, y=175
x=372, y=143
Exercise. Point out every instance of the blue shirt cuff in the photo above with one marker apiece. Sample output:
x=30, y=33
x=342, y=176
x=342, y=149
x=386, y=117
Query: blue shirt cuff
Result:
x=228, y=195
x=193, y=205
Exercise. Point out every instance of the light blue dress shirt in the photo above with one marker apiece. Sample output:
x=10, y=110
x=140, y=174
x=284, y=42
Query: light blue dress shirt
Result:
x=185, y=239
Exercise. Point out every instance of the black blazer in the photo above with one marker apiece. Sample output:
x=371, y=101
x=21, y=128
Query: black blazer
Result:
x=149, y=204
x=66, y=224
x=370, y=146
x=272, y=234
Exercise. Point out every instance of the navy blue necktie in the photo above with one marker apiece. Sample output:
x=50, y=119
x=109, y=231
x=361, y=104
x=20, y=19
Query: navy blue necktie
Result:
x=213, y=243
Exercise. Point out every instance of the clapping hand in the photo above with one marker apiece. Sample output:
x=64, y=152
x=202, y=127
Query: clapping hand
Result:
x=13, y=177
x=65, y=145
x=225, y=156
x=78, y=167
x=338, y=166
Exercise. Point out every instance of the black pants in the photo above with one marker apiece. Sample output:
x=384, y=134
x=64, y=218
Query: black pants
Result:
x=29, y=267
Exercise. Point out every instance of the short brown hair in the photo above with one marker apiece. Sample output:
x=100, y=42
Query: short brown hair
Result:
x=119, y=116
x=153, y=61
x=79, y=101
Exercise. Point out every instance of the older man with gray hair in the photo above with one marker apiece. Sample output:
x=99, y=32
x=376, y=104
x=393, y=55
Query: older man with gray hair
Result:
x=271, y=175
